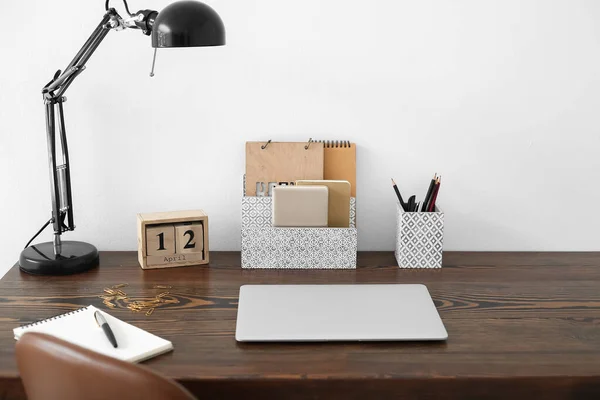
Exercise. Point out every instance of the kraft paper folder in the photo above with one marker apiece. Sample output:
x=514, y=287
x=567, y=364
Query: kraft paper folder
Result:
x=339, y=201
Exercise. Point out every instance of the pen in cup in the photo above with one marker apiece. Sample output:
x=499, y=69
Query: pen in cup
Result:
x=428, y=203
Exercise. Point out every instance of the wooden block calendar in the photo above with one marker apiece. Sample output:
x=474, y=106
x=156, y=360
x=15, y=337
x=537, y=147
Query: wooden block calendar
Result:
x=172, y=239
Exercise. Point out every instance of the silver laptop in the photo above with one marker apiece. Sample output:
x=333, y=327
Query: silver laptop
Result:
x=309, y=313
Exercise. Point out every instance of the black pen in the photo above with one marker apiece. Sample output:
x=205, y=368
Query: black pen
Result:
x=411, y=203
x=106, y=328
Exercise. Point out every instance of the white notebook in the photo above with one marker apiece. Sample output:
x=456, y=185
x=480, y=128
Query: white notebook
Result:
x=80, y=328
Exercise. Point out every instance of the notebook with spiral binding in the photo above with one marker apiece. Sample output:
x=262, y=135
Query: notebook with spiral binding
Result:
x=339, y=162
x=79, y=327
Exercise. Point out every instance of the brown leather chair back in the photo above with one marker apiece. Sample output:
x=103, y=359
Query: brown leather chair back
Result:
x=52, y=369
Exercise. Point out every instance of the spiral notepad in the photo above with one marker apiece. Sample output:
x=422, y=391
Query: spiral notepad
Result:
x=339, y=162
x=79, y=327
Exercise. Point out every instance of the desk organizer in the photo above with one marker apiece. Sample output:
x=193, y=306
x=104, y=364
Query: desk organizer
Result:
x=419, y=238
x=264, y=246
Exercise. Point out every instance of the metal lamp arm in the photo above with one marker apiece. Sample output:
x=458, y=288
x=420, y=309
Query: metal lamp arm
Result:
x=58, y=155
x=57, y=86
x=143, y=19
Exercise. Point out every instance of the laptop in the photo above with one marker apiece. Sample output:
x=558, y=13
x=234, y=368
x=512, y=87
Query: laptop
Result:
x=321, y=313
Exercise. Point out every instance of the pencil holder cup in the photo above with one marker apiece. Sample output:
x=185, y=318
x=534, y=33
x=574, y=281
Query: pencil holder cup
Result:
x=419, y=238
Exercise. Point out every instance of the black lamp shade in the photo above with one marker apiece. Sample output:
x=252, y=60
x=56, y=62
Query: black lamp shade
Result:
x=187, y=24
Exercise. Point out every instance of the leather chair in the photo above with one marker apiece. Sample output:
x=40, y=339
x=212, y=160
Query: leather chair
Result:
x=52, y=369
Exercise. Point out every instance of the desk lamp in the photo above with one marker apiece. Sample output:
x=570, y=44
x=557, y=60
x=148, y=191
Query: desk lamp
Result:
x=181, y=24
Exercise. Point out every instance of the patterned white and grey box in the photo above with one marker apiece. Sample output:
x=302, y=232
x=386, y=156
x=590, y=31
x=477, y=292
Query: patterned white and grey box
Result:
x=299, y=248
x=264, y=246
x=419, y=238
x=257, y=212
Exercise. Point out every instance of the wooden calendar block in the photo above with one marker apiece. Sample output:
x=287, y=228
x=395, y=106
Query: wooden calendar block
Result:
x=173, y=260
x=154, y=230
x=160, y=240
x=189, y=237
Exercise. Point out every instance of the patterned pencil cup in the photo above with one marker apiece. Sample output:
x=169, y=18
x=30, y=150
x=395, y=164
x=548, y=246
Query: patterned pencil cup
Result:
x=419, y=238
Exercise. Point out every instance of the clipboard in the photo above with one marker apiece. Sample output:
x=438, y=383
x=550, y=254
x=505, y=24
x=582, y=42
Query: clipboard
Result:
x=281, y=163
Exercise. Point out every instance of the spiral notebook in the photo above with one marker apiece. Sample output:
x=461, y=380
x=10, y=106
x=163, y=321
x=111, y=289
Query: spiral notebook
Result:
x=79, y=327
x=339, y=162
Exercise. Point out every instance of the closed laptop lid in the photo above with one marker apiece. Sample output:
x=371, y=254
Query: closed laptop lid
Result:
x=388, y=312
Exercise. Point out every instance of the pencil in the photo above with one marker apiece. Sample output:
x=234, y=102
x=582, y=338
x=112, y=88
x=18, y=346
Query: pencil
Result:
x=402, y=203
x=428, y=195
x=435, y=194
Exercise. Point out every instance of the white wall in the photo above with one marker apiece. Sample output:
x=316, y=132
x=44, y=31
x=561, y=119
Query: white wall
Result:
x=501, y=97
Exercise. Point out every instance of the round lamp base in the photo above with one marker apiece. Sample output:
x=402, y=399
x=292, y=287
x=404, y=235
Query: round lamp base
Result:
x=75, y=257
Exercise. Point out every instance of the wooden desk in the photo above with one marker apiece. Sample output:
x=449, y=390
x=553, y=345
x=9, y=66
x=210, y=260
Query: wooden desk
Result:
x=519, y=325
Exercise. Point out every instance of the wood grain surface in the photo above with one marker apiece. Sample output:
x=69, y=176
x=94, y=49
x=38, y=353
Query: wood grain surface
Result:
x=281, y=162
x=520, y=325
